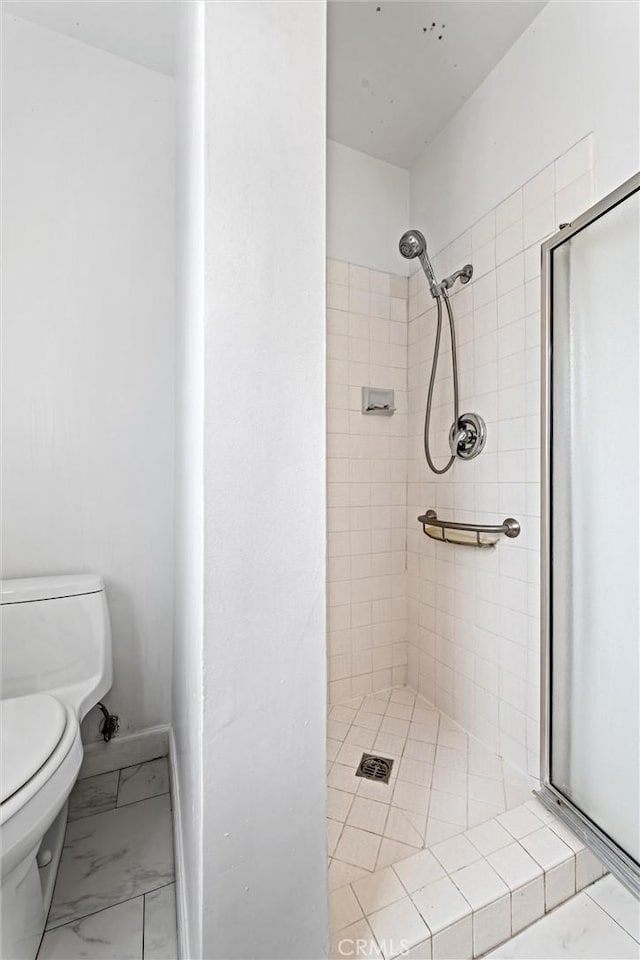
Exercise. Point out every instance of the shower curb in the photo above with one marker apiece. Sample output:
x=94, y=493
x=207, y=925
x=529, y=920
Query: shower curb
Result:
x=481, y=922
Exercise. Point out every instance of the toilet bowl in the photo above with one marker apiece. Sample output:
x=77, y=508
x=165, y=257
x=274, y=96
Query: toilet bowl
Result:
x=56, y=666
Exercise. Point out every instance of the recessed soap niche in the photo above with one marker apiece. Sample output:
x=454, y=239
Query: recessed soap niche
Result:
x=378, y=401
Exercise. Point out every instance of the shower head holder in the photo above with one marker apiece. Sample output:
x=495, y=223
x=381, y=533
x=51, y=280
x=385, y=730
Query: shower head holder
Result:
x=463, y=275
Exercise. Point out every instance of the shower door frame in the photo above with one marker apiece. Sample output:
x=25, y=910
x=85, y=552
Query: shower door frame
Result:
x=612, y=855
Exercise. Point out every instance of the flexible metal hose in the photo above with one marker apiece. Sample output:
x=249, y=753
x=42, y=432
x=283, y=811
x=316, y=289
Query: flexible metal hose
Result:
x=432, y=381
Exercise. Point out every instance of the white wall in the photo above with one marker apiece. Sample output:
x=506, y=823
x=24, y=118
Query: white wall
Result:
x=189, y=503
x=367, y=209
x=265, y=883
x=87, y=378
x=573, y=71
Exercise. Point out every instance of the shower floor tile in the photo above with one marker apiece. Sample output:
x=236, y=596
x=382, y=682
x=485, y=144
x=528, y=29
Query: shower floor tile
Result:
x=472, y=876
x=443, y=781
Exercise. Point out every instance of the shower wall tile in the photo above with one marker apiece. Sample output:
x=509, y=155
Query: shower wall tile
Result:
x=472, y=615
x=366, y=480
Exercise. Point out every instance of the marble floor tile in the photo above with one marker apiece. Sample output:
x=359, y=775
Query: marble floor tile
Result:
x=93, y=795
x=160, y=937
x=114, y=932
x=616, y=900
x=112, y=857
x=578, y=930
x=145, y=780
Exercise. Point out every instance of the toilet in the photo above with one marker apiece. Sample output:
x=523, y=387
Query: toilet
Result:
x=56, y=665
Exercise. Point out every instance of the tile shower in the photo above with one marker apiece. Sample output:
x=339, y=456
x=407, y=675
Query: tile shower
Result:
x=390, y=586
x=433, y=648
x=474, y=615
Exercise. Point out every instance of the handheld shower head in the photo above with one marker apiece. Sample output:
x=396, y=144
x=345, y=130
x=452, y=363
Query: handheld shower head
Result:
x=466, y=437
x=412, y=244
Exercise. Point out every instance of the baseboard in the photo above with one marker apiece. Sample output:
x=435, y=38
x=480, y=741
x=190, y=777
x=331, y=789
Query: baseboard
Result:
x=134, y=748
x=178, y=853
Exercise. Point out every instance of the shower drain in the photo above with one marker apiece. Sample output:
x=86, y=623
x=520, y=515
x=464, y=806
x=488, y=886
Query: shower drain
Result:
x=374, y=768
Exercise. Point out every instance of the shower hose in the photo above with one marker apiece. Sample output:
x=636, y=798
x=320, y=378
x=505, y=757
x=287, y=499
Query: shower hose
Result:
x=432, y=381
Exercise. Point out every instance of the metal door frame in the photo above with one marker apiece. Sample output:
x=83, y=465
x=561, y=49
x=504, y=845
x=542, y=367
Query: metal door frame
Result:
x=606, y=849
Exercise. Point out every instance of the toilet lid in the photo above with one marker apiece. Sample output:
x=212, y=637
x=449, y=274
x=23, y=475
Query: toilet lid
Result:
x=31, y=728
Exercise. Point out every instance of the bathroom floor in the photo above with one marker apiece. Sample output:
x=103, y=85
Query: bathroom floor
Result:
x=443, y=782
x=115, y=890
x=601, y=922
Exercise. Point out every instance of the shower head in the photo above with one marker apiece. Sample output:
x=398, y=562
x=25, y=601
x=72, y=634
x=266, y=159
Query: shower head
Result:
x=412, y=244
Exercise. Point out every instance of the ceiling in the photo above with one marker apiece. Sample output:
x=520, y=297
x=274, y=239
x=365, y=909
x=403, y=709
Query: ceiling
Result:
x=399, y=69
x=138, y=30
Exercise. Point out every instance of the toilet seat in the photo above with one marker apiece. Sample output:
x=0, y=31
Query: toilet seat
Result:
x=31, y=728
x=42, y=782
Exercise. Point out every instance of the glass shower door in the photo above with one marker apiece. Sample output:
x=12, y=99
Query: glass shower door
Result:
x=591, y=612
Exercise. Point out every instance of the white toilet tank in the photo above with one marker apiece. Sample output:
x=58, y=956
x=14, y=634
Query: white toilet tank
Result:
x=56, y=637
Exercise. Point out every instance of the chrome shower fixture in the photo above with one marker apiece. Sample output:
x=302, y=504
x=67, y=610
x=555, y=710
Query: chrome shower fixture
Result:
x=413, y=244
x=468, y=432
x=464, y=274
x=468, y=436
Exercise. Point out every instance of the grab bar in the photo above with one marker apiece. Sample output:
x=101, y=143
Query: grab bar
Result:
x=509, y=527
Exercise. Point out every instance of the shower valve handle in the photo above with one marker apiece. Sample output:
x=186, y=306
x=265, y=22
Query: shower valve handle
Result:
x=457, y=437
x=467, y=436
